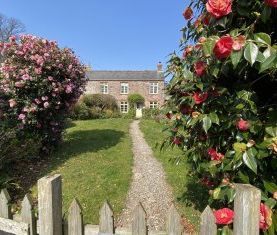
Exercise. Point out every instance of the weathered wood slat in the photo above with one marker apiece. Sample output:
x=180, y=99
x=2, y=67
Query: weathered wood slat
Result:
x=139, y=226
x=5, y=208
x=50, y=205
x=12, y=227
x=207, y=223
x=174, y=222
x=247, y=210
x=75, y=219
x=27, y=214
x=106, y=224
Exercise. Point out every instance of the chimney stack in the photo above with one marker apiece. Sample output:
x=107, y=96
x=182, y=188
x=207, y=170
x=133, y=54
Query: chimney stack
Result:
x=160, y=67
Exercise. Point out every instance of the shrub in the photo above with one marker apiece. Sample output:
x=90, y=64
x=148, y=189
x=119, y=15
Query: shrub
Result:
x=39, y=84
x=224, y=90
x=153, y=114
x=134, y=99
x=102, y=101
x=80, y=111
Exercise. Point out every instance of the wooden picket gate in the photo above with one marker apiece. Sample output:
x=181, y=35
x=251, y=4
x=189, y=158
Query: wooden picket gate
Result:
x=51, y=222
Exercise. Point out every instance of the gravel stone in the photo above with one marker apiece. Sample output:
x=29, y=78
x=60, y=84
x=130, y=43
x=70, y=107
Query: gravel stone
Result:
x=148, y=185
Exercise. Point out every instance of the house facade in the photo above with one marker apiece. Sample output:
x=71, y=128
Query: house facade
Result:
x=119, y=84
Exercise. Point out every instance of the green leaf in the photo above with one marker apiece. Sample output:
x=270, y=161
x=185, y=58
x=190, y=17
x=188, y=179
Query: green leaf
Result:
x=207, y=123
x=251, y=52
x=208, y=47
x=266, y=13
x=214, y=118
x=270, y=202
x=239, y=147
x=236, y=57
x=250, y=161
x=269, y=62
x=260, y=57
x=263, y=38
x=270, y=186
x=272, y=131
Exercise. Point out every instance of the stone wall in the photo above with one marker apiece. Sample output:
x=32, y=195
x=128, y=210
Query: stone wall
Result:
x=141, y=87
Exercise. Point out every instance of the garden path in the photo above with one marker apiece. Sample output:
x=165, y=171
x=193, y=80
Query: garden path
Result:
x=148, y=185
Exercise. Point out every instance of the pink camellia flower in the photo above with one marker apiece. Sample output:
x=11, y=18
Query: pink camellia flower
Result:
x=37, y=101
x=200, y=68
x=12, y=103
x=19, y=84
x=215, y=156
x=44, y=98
x=21, y=116
x=223, y=47
x=50, y=78
x=224, y=216
x=265, y=217
x=219, y=8
x=200, y=97
x=38, y=71
x=26, y=77
x=187, y=51
x=68, y=89
x=12, y=38
x=271, y=3
x=46, y=105
x=243, y=125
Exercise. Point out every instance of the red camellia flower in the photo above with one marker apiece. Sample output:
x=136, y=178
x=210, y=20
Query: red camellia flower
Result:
x=215, y=156
x=205, y=181
x=243, y=125
x=271, y=3
x=223, y=47
x=219, y=8
x=187, y=51
x=265, y=217
x=188, y=13
x=206, y=19
x=186, y=109
x=200, y=68
x=177, y=140
x=224, y=216
x=200, y=97
x=169, y=115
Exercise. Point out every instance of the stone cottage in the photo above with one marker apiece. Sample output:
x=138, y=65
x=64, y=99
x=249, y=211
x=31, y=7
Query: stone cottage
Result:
x=119, y=84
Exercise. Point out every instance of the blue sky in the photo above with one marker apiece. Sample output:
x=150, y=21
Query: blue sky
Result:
x=107, y=34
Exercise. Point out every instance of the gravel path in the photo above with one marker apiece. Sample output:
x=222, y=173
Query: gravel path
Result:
x=148, y=186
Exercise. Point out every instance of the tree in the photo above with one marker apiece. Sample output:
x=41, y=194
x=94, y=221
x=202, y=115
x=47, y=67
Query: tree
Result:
x=224, y=90
x=9, y=27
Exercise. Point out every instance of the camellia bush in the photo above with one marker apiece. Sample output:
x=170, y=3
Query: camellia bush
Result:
x=39, y=84
x=224, y=91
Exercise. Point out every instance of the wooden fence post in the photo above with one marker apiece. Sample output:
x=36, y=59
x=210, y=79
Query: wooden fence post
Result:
x=75, y=219
x=5, y=208
x=50, y=205
x=207, y=223
x=247, y=210
x=174, y=222
x=106, y=224
x=27, y=214
x=139, y=226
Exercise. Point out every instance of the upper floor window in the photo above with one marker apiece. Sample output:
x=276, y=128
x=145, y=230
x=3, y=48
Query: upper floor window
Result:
x=153, y=105
x=104, y=88
x=124, y=88
x=154, y=88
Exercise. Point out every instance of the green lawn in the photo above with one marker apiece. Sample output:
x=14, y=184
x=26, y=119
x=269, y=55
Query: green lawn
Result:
x=190, y=197
x=95, y=162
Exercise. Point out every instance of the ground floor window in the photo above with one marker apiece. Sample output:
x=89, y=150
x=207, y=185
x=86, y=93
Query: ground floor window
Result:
x=154, y=105
x=124, y=107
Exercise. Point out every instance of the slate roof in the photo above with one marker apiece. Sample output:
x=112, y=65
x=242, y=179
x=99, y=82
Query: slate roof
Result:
x=102, y=75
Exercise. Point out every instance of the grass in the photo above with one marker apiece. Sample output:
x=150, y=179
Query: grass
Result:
x=190, y=197
x=95, y=162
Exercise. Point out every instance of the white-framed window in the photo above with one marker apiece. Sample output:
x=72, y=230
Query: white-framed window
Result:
x=124, y=88
x=104, y=88
x=153, y=88
x=124, y=107
x=154, y=105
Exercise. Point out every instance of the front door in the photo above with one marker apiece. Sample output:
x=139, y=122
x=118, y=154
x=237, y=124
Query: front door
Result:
x=139, y=111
